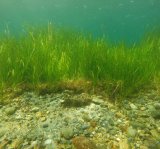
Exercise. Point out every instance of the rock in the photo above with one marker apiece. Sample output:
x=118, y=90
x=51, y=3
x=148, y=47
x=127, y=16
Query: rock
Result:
x=43, y=119
x=85, y=126
x=98, y=101
x=83, y=143
x=35, y=144
x=158, y=129
x=2, y=132
x=133, y=107
x=3, y=144
x=153, y=144
x=143, y=115
x=87, y=133
x=136, y=125
x=93, y=124
x=18, y=117
x=143, y=108
x=49, y=144
x=155, y=114
x=48, y=141
x=157, y=106
x=67, y=133
x=119, y=115
x=86, y=117
x=154, y=133
x=123, y=144
x=10, y=110
x=35, y=109
x=45, y=125
x=151, y=108
x=17, y=144
x=77, y=100
x=123, y=127
x=39, y=115
x=131, y=132
x=111, y=122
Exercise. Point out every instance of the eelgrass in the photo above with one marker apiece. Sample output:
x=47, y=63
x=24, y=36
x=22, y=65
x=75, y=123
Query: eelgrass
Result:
x=49, y=55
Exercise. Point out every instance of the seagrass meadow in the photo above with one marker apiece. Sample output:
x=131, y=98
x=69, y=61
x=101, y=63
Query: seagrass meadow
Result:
x=52, y=56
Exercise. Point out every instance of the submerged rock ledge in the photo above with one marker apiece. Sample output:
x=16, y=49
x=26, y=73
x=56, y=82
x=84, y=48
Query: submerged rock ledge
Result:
x=80, y=121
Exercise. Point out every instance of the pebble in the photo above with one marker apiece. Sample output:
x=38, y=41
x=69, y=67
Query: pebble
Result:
x=45, y=125
x=157, y=106
x=143, y=108
x=10, y=110
x=67, y=132
x=158, y=129
x=85, y=127
x=48, y=141
x=35, y=109
x=86, y=117
x=43, y=119
x=83, y=143
x=131, y=132
x=133, y=107
x=2, y=132
x=156, y=114
x=17, y=144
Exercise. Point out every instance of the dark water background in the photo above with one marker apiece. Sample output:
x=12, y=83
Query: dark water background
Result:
x=116, y=19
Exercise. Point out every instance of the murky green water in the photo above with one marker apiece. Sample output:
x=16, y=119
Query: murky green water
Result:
x=117, y=19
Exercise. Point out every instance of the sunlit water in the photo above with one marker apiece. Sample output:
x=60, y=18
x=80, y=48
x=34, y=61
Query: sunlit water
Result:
x=116, y=19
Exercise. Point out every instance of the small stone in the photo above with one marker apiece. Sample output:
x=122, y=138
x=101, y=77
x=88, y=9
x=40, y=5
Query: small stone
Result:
x=3, y=144
x=143, y=108
x=10, y=110
x=85, y=126
x=98, y=101
x=47, y=112
x=123, y=127
x=49, y=144
x=154, y=133
x=93, y=124
x=158, y=129
x=111, y=122
x=131, y=132
x=157, y=106
x=43, y=119
x=119, y=115
x=35, y=109
x=87, y=133
x=156, y=114
x=83, y=143
x=38, y=114
x=153, y=144
x=45, y=125
x=2, y=132
x=48, y=141
x=67, y=133
x=34, y=144
x=138, y=125
x=17, y=143
x=143, y=115
x=133, y=107
x=86, y=117
x=18, y=117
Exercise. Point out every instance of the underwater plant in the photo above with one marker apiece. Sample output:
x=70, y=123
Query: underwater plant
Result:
x=49, y=55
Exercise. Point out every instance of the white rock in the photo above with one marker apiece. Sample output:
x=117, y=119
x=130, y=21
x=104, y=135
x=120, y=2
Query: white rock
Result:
x=133, y=106
x=47, y=142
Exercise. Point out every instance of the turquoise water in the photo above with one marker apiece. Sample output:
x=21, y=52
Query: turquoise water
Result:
x=116, y=19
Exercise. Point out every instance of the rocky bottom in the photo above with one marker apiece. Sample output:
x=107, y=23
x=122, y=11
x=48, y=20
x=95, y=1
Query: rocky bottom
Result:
x=80, y=121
